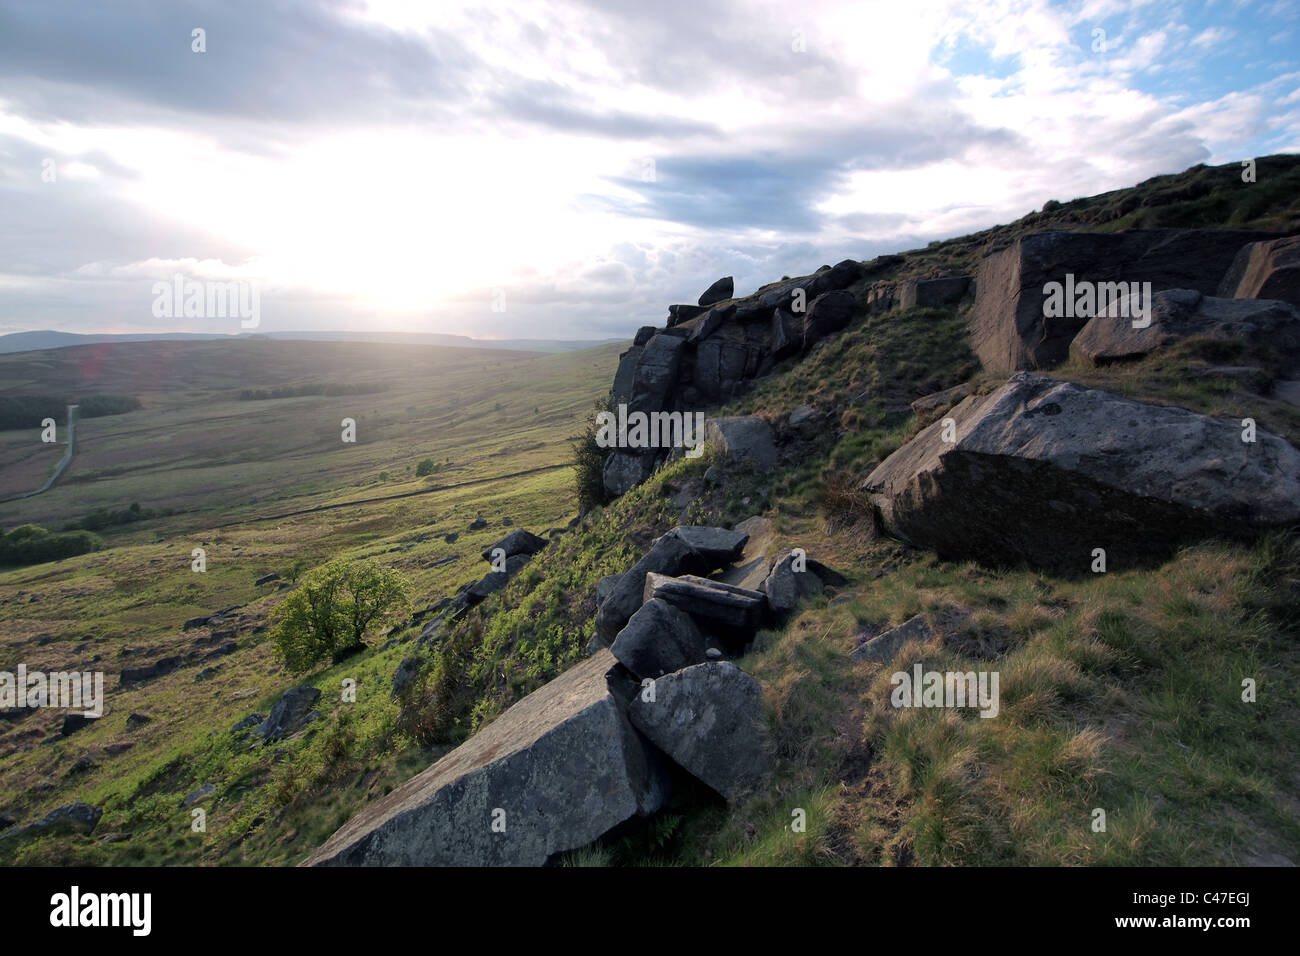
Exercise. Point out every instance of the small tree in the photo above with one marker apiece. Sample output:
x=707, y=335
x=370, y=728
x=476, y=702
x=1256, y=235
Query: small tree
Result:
x=425, y=467
x=329, y=614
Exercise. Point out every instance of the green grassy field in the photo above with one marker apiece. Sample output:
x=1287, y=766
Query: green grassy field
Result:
x=498, y=425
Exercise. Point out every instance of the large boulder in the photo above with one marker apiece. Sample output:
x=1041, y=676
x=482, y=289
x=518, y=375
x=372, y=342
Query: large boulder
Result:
x=840, y=276
x=556, y=771
x=1044, y=472
x=290, y=713
x=709, y=719
x=1179, y=313
x=516, y=542
x=793, y=578
x=659, y=639
x=720, y=291
x=494, y=581
x=716, y=547
x=1009, y=330
x=828, y=314
x=743, y=438
x=1265, y=270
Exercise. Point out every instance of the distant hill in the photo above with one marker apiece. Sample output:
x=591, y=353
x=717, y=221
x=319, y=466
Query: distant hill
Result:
x=51, y=339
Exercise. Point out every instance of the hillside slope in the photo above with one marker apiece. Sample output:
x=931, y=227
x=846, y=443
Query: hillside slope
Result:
x=1120, y=691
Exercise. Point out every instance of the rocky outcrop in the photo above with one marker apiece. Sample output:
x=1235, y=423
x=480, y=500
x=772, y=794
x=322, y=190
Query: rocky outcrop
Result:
x=709, y=719
x=1265, y=270
x=556, y=771
x=1180, y=313
x=1044, y=472
x=290, y=713
x=1009, y=328
x=709, y=353
x=81, y=818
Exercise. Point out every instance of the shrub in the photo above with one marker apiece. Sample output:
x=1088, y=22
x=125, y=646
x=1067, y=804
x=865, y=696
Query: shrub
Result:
x=426, y=467
x=32, y=544
x=329, y=614
x=589, y=463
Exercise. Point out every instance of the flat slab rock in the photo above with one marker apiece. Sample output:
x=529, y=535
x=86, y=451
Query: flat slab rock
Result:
x=1043, y=472
x=733, y=607
x=709, y=720
x=564, y=764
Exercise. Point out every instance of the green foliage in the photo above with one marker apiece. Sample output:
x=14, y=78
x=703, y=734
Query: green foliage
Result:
x=589, y=463
x=384, y=476
x=426, y=467
x=102, y=518
x=27, y=411
x=329, y=614
x=32, y=544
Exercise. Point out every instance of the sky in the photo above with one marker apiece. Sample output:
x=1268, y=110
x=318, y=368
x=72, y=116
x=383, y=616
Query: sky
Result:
x=568, y=169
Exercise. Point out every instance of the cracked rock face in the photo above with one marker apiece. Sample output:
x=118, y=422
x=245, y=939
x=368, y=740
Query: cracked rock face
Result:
x=1009, y=328
x=1043, y=472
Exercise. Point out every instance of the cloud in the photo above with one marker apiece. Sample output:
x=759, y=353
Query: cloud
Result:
x=390, y=163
